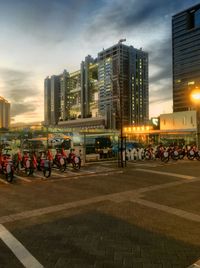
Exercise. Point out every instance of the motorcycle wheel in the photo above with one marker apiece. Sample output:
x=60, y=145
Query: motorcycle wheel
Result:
x=17, y=168
x=164, y=159
x=174, y=157
x=181, y=156
x=28, y=171
x=76, y=163
x=147, y=156
x=76, y=166
x=62, y=168
x=9, y=176
x=190, y=157
x=47, y=172
x=198, y=156
x=62, y=164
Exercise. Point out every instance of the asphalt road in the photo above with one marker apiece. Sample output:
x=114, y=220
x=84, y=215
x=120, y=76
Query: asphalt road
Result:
x=144, y=215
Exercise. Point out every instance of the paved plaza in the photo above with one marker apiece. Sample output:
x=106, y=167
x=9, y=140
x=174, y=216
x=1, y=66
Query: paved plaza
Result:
x=145, y=215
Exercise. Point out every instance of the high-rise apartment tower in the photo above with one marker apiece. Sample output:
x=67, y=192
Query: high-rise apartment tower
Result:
x=123, y=86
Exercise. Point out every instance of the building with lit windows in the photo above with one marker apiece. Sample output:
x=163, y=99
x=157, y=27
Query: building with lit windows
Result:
x=89, y=88
x=74, y=96
x=123, y=86
x=64, y=96
x=186, y=56
x=179, y=128
x=4, y=113
x=113, y=88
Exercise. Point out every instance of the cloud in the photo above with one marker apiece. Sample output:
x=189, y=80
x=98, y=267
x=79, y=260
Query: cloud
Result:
x=20, y=90
x=21, y=108
x=47, y=21
x=134, y=16
x=161, y=91
x=160, y=56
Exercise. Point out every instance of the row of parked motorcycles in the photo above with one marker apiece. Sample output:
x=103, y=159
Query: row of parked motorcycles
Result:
x=173, y=152
x=28, y=163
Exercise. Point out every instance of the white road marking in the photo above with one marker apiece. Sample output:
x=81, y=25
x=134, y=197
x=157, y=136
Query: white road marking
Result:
x=175, y=211
x=58, y=175
x=166, y=173
x=22, y=178
x=195, y=265
x=5, y=182
x=22, y=254
x=38, y=176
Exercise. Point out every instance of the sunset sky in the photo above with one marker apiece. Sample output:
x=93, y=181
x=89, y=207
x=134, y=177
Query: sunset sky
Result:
x=43, y=37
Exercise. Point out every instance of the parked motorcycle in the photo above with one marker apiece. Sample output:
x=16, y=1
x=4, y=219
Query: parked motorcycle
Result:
x=27, y=163
x=60, y=160
x=44, y=164
x=6, y=166
x=74, y=160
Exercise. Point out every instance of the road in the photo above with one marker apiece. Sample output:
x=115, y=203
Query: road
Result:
x=144, y=215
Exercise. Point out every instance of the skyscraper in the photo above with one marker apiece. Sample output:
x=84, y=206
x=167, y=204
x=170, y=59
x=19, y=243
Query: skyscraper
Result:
x=123, y=85
x=47, y=101
x=4, y=113
x=64, y=95
x=55, y=99
x=89, y=87
x=186, y=56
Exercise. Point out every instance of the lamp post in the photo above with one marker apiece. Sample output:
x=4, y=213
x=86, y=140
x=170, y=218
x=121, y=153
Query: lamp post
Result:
x=195, y=97
x=122, y=152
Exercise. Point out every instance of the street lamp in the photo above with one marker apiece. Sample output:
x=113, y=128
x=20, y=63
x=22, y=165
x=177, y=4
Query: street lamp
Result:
x=195, y=98
x=120, y=93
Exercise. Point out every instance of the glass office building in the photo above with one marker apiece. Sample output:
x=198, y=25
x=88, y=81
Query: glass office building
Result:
x=186, y=56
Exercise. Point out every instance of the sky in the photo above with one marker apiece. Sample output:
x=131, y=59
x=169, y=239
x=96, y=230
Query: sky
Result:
x=40, y=38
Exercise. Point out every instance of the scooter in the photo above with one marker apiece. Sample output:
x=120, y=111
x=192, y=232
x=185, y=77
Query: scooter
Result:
x=6, y=166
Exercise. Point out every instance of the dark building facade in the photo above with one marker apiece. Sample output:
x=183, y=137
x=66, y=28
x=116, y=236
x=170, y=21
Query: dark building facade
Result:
x=123, y=86
x=47, y=101
x=186, y=56
x=55, y=99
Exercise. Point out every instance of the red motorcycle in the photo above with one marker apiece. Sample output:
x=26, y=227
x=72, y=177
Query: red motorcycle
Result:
x=27, y=163
x=60, y=159
x=74, y=160
x=44, y=163
x=6, y=166
x=17, y=160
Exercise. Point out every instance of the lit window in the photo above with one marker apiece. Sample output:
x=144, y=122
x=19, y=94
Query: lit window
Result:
x=191, y=83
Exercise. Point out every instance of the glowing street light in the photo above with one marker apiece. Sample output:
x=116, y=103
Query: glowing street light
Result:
x=195, y=98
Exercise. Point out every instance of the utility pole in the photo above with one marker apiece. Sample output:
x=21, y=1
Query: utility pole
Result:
x=120, y=93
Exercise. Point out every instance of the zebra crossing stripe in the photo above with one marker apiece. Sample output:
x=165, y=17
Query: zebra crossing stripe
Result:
x=22, y=254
